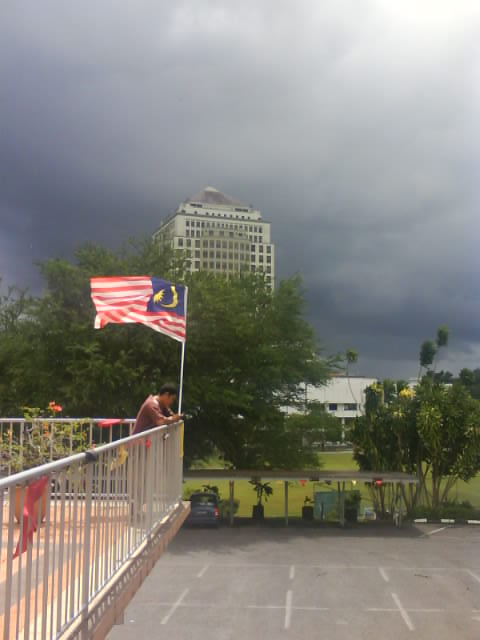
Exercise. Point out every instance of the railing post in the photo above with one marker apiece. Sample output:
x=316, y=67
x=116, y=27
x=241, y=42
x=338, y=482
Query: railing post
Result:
x=86, y=550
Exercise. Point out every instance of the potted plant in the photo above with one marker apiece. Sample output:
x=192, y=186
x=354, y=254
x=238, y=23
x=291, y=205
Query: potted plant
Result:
x=263, y=491
x=307, y=509
x=43, y=440
x=352, y=505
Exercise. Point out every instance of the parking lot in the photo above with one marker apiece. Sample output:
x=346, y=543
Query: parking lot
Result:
x=263, y=583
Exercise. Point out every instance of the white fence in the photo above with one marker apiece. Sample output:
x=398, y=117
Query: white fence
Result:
x=96, y=509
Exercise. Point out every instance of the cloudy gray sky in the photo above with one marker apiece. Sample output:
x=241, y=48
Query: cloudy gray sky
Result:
x=353, y=125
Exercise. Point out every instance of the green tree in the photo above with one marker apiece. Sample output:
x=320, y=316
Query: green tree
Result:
x=248, y=351
x=314, y=427
x=433, y=433
x=471, y=381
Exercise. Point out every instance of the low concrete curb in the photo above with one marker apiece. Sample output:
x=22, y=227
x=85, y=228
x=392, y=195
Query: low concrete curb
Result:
x=445, y=521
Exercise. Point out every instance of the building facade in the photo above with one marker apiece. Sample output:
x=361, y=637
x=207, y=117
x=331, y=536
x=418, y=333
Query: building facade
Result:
x=343, y=397
x=221, y=235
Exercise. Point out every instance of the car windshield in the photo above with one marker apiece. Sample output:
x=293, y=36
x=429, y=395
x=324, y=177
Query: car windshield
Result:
x=204, y=499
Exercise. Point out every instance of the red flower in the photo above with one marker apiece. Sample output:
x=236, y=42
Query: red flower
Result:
x=54, y=407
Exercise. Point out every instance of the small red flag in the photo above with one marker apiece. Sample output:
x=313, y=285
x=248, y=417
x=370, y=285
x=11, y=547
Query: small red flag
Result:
x=33, y=492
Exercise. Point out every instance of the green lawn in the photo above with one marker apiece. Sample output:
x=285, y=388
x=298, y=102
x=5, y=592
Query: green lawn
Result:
x=334, y=461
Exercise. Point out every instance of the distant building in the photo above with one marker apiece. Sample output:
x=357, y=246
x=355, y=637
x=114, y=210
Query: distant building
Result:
x=221, y=235
x=342, y=397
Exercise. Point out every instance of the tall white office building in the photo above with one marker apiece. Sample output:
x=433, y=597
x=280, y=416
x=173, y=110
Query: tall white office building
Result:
x=220, y=234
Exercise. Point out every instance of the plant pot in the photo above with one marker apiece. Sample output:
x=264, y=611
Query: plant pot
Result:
x=42, y=504
x=258, y=512
x=351, y=514
x=307, y=513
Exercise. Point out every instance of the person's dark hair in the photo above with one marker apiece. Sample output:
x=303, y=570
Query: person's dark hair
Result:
x=169, y=388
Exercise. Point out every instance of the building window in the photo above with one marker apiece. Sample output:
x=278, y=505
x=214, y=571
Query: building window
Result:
x=205, y=254
x=269, y=269
x=180, y=242
x=332, y=406
x=197, y=264
x=197, y=244
x=188, y=223
x=212, y=243
x=212, y=254
x=189, y=243
x=269, y=249
x=260, y=248
x=187, y=233
x=260, y=258
x=350, y=406
x=197, y=254
x=205, y=243
x=253, y=248
x=269, y=259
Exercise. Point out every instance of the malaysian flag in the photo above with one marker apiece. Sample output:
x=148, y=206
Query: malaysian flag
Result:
x=157, y=303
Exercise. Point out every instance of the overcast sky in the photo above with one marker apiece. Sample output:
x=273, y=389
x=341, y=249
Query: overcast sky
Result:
x=353, y=126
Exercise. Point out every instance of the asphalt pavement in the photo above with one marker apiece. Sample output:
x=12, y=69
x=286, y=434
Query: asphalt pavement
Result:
x=264, y=583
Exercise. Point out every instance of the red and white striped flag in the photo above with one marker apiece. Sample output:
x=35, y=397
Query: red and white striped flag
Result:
x=156, y=303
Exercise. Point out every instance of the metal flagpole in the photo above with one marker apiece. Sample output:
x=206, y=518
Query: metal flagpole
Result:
x=182, y=360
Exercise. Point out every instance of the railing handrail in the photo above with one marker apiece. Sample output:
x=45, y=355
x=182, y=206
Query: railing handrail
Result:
x=54, y=419
x=86, y=456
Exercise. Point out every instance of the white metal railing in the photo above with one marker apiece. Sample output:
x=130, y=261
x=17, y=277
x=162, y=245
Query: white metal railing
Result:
x=96, y=431
x=98, y=508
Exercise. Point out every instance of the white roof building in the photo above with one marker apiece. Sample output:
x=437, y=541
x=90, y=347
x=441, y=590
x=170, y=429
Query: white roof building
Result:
x=220, y=234
x=343, y=397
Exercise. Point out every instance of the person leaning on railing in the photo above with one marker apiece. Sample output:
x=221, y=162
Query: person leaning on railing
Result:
x=155, y=412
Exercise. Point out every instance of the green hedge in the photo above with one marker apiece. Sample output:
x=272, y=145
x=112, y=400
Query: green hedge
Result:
x=453, y=511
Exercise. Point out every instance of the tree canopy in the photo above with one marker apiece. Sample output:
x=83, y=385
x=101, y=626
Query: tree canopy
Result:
x=432, y=431
x=248, y=350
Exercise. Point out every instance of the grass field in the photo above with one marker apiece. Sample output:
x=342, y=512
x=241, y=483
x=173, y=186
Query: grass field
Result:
x=335, y=461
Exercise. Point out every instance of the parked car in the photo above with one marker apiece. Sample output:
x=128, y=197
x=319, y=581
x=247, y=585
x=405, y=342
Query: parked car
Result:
x=204, y=509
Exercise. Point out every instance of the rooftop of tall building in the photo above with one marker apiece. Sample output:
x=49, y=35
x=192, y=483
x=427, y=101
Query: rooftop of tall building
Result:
x=212, y=196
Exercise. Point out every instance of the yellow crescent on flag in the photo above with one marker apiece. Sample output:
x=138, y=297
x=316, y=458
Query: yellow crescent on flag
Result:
x=158, y=297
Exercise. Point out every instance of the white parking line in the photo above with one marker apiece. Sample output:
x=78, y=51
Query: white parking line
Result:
x=292, y=572
x=288, y=608
x=431, y=533
x=474, y=575
x=202, y=571
x=384, y=574
x=175, y=606
x=403, y=613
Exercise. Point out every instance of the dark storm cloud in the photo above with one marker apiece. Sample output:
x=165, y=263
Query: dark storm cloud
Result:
x=351, y=125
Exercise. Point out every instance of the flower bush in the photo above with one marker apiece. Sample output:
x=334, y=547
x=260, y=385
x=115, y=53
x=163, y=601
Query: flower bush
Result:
x=44, y=439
